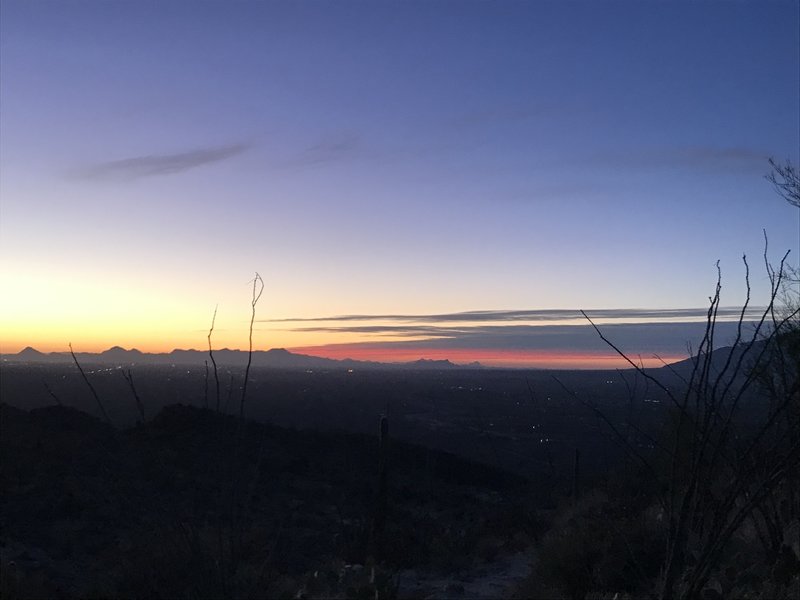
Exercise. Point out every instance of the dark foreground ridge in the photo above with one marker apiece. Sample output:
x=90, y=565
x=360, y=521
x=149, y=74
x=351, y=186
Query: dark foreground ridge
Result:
x=196, y=504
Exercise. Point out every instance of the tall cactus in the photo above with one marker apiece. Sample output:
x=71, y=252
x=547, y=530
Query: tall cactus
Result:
x=379, y=518
x=576, y=473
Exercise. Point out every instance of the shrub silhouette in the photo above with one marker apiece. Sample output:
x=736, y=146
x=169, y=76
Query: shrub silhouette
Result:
x=732, y=446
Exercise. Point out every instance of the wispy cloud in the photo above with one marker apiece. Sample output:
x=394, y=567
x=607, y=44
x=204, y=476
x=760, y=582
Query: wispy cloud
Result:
x=711, y=158
x=161, y=164
x=496, y=115
x=714, y=158
x=540, y=315
x=338, y=147
x=389, y=330
x=638, y=331
x=633, y=338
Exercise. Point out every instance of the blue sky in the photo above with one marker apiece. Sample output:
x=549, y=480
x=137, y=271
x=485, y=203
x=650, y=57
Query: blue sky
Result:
x=382, y=158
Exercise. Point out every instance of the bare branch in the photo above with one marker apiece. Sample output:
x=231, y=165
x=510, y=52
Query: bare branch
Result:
x=91, y=387
x=52, y=395
x=625, y=443
x=670, y=368
x=205, y=386
x=258, y=289
x=211, y=355
x=129, y=378
x=786, y=181
x=638, y=368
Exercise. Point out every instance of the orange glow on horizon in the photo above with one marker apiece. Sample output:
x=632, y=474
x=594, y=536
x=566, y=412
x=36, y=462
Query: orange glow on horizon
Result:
x=491, y=357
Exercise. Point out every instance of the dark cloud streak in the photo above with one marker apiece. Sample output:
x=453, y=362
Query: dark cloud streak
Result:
x=544, y=316
x=709, y=158
x=393, y=330
x=340, y=147
x=634, y=338
x=161, y=164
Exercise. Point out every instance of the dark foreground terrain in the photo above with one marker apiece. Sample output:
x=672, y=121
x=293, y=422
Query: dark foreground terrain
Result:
x=193, y=504
x=529, y=422
x=497, y=483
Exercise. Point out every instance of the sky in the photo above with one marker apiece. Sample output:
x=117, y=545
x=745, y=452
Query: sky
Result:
x=426, y=167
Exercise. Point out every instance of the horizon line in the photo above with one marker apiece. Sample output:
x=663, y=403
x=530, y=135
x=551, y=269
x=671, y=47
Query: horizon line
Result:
x=492, y=358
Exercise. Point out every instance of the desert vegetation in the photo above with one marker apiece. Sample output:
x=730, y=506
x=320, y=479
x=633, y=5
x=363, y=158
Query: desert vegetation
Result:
x=711, y=509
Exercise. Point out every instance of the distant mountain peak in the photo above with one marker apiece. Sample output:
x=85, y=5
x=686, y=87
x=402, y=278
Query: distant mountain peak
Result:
x=428, y=363
x=30, y=351
x=278, y=351
x=116, y=350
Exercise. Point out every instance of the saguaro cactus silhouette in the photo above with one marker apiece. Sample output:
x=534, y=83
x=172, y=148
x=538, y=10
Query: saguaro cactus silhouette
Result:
x=381, y=502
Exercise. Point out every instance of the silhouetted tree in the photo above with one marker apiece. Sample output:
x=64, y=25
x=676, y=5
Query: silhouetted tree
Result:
x=786, y=179
x=723, y=468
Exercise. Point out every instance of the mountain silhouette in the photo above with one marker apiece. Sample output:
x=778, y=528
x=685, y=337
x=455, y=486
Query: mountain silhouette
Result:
x=30, y=354
x=278, y=358
x=719, y=357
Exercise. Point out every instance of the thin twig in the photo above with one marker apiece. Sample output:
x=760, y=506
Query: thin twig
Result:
x=625, y=443
x=52, y=395
x=258, y=289
x=129, y=378
x=211, y=354
x=639, y=369
x=205, y=386
x=671, y=369
x=91, y=387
